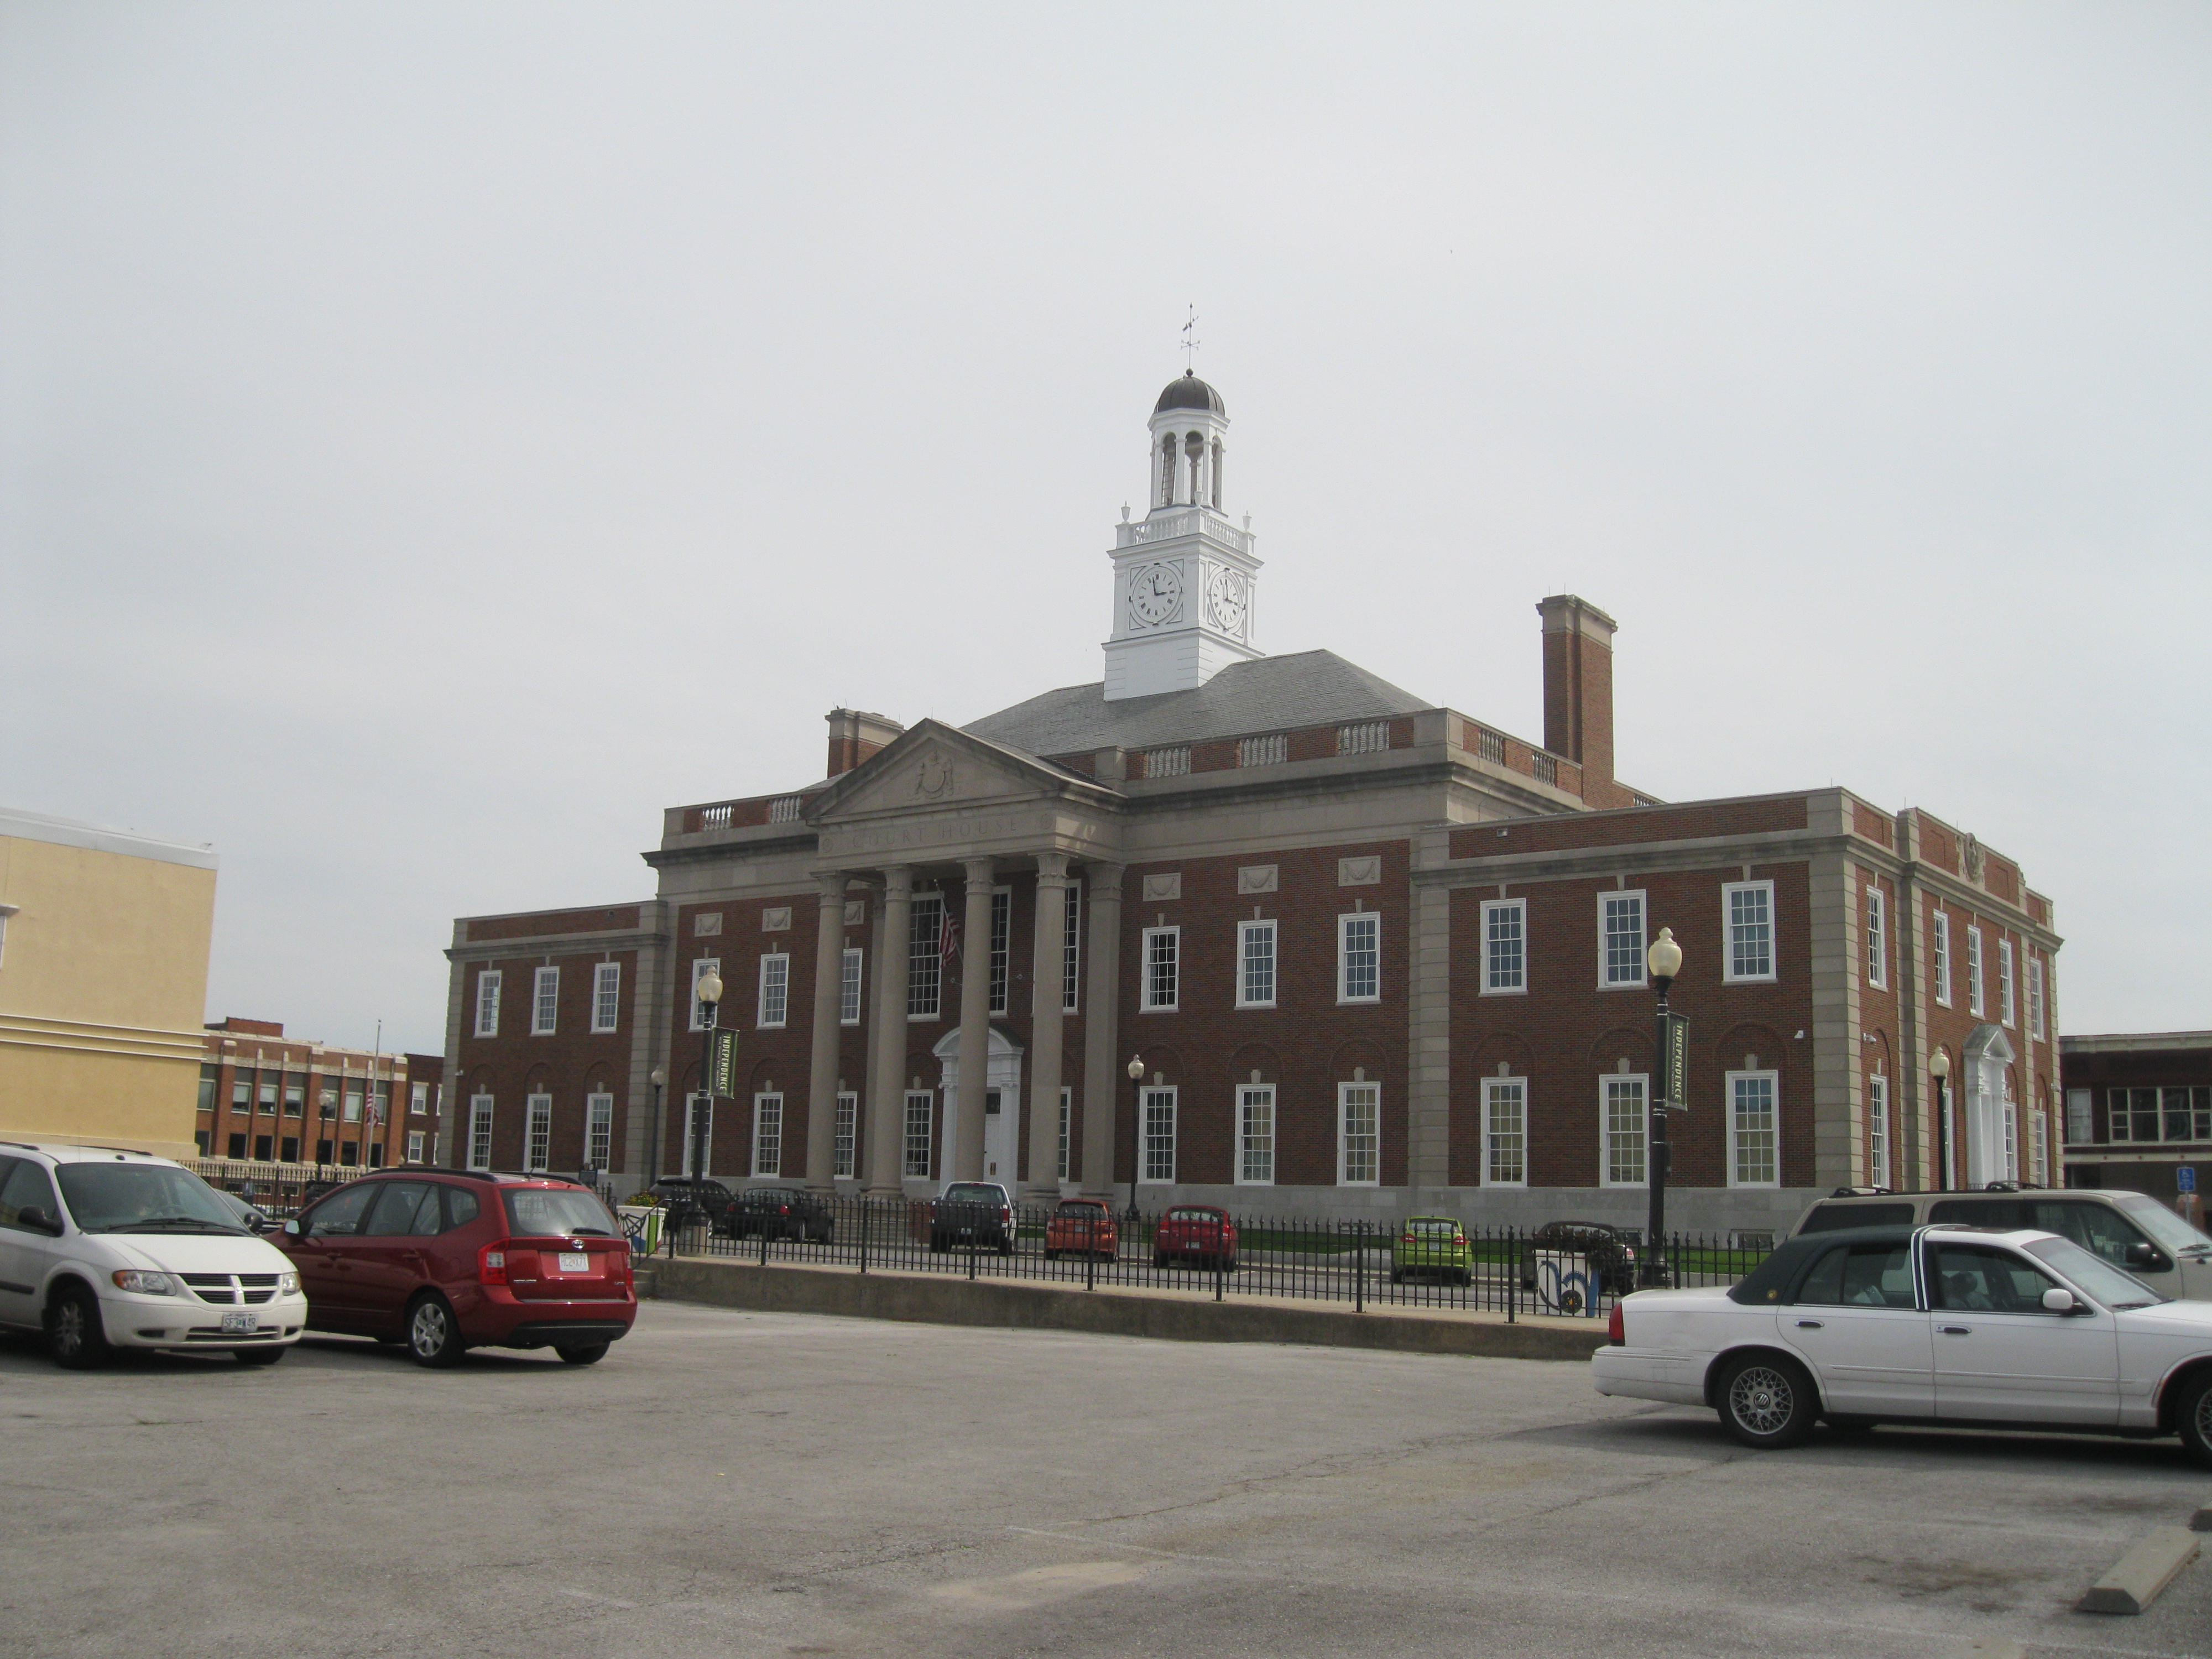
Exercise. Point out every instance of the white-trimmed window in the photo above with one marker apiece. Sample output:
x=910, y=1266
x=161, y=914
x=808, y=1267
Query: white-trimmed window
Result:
x=598, y=1129
x=1162, y=968
x=1877, y=938
x=1358, y=1134
x=546, y=1002
x=2035, y=998
x=2011, y=1133
x=1504, y=947
x=848, y=985
x=1619, y=940
x=607, y=996
x=353, y=1087
x=1066, y=1125
x=536, y=1130
x=1256, y=965
x=1255, y=1134
x=2080, y=1117
x=488, y=1003
x=1942, y=946
x=1748, y=914
x=1359, y=957
x=1158, y=1165
x=1754, y=1129
x=1877, y=1117
x=2040, y=1128
x=701, y=967
x=418, y=1099
x=1974, y=972
x=1071, y=947
x=698, y=1117
x=1506, y=1132
x=925, y=957
x=919, y=1103
x=844, y=1143
x=415, y=1145
x=768, y=1134
x=1625, y=1125
x=2006, y=1008
x=1002, y=935
x=774, y=989
x=479, y=1132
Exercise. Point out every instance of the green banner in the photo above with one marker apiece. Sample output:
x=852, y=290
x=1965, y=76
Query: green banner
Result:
x=1675, y=1062
x=725, y=1076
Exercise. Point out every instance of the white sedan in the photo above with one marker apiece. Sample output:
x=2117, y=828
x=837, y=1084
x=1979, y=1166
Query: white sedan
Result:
x=1942, y=1325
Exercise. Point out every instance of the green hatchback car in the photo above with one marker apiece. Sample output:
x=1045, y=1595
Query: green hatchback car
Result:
x=1431, y=1245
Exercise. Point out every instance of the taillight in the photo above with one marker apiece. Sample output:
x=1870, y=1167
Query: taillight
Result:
x=491, y=1264
x=1616, y=1328
x=1405, y=1238
x=1004, y=1215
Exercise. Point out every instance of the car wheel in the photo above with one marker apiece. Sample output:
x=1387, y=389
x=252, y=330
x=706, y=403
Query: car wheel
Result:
x=75, y=1335
x=1052, y=1255
x=581, y=1354
x=267, y=1355
x=433, y=1339
x=1767, y=1401
x=1466, y=1276
x=2193, y=1417
x=1397, y=1276
x=1006, y=1247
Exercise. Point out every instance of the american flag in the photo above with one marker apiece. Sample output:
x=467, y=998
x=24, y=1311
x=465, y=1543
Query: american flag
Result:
x=948, y=939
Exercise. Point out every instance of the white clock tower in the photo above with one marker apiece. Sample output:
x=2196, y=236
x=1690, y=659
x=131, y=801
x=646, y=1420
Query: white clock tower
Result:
x=1185, y=579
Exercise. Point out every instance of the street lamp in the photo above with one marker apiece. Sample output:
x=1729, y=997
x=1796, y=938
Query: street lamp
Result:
x=708, y=990
x=1664, y=959
x=1939, y=1067
x=1136, y=1069
x=659, y=1080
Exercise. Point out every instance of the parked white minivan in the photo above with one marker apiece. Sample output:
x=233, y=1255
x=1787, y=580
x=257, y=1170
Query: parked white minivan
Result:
x=102, y=1250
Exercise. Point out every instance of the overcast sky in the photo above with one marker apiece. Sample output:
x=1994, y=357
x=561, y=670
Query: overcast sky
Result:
x=433, y=438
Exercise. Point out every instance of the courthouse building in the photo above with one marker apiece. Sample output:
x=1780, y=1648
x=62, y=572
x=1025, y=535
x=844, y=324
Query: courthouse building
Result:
x=1368, y=953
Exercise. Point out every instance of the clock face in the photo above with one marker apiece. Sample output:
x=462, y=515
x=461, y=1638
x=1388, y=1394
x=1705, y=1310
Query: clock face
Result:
x=1155, y=594
x=1226, y=601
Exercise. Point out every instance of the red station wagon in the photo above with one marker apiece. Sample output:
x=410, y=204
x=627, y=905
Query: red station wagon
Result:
x=448, y=1259
x=1198, y=1233
x=1081, y=1226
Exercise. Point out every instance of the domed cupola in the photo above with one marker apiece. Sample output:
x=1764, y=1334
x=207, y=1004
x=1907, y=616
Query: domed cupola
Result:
x=1191, y=393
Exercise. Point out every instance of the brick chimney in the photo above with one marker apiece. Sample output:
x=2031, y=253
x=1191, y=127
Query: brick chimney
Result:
x=853, y=737
x=1578, y=692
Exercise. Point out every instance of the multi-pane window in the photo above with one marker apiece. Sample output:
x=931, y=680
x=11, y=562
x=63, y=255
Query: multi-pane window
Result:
x=414, y=1147
x=2144, y=1114
x=353, y=1100
x=269, y=1093
x=1071, y=943
x=1255, y=1134
x=607, y=996
x=537, y=1131
x=2005, y=1008
x=479, y=1133
x=2035, y=997
x=774, y=989
x=1067, y=1122
x=1159, y=1127
x=488, y=1003
x=545, y=1001
x=1621, y=1106
x=1359, y=1133
x=1942, y=946
x=295, y=1096
x=2040, y=1128
x=1620, y=940
x=599, y=1130
x=701, y=967
x=1877, y=1117
x=1749, y=916
x=1256, y=965
x=1877, y=938
x=1002, y=931
x=418, y=1100
x=1505, y=945
x=925, y=957
x=848, y=987
x=844, y=1136
x=919, y=1105
x=241, y=1094
x=768, y=1134
x=1359, y=957
x=2080, y=1117
x=1163, y=966
x=698, y=1133
x=1505, y=1131
x=2011, y=1133
x=1974, y=972
x=210, y=1076
x=1755, y=1143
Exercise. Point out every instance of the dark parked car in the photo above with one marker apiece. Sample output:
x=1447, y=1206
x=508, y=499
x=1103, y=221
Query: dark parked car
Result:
x=1611, y=1255
x=973, y=1212
x=449, y=1259
x=778, y=1213
x=690, y=1199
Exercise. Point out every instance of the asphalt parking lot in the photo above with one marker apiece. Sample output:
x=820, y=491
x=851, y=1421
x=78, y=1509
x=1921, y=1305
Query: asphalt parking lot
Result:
x=750, y=1484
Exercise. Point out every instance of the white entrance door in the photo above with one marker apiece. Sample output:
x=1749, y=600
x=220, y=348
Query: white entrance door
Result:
x=999, y=1138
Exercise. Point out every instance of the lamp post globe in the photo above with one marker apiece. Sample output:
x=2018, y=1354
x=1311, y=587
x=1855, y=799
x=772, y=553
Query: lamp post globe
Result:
x=1136, y=1071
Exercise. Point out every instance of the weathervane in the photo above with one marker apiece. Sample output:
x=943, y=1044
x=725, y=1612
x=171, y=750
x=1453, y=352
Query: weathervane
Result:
x=1190, y=343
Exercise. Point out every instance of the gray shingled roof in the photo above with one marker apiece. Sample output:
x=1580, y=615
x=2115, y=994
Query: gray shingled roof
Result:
x=1272, y=693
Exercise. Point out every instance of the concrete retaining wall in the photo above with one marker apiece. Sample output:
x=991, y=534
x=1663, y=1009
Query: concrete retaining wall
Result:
x=1035, y=1307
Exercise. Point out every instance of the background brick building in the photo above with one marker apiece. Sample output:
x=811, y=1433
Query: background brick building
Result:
x=267, y=1099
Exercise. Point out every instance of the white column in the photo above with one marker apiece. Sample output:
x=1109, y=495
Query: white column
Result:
x=1101, y=1027
x=1045, y=1017
x=886, y=1079
x=829, y=985
x=974, y=1022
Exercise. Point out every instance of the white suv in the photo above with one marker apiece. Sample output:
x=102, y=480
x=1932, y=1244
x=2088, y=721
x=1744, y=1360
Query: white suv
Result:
x=102, y=1250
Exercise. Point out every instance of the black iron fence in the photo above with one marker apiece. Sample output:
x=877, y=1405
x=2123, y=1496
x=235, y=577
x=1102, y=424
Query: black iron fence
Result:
x=275, y=1189
x=1358, y=1263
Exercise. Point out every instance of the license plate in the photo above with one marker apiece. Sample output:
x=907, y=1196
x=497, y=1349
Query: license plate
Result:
x=575, y=1261
x=239, y=1321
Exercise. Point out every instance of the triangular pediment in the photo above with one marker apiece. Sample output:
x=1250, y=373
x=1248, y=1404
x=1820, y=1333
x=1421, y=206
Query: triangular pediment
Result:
x=932, y=767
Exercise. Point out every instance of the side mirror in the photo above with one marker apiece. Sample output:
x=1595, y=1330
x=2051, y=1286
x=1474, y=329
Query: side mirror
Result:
x=2059, y=1302
x=2142, y=1253
x=36, y=1218
x=291, y=1228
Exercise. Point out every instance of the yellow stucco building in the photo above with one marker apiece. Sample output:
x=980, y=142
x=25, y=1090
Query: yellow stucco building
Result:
x=104, y=938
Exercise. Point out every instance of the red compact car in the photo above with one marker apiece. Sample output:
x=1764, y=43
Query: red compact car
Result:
x=1198, y=1233
x=449, y=1259
x=1081, y=1226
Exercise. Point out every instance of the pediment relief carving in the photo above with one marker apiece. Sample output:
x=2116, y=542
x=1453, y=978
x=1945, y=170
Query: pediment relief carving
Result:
x=929, y=776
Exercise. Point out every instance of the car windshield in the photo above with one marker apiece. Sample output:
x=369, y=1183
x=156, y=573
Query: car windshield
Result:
x=2162, y=1224
x=558, y=1212
x=1421, y=1225
x=2095, y=1275
x=1082, y=1212
x=129, y=1198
